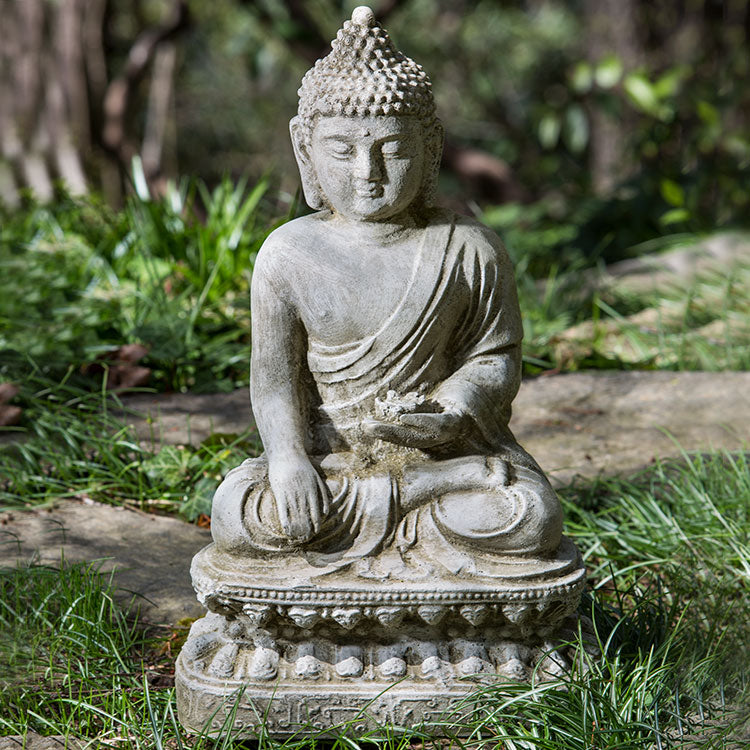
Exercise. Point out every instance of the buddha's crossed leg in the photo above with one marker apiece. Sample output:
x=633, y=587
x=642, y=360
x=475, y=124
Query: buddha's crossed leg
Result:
x=482, y=502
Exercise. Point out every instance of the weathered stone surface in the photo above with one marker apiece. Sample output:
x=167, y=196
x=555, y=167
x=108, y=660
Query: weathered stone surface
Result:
x=150, y=554
x=615, y=422
x=187, y=418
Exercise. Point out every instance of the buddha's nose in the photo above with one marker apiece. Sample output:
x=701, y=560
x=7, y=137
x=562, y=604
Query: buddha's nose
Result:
x=367, y=166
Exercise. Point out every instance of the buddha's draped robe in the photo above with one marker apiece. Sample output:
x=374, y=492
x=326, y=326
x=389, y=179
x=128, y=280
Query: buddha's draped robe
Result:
x=455, y=337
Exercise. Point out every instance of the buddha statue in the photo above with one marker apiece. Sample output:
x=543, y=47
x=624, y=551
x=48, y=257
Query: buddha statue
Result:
x=393, y=529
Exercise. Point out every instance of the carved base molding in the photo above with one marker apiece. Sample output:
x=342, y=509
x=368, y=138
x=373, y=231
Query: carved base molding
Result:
x=318, y=656
x=322, y=685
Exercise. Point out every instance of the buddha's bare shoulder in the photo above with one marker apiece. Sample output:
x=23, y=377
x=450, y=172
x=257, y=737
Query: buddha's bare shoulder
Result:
x=291, y=247
x=295, y=237
x=471, y=230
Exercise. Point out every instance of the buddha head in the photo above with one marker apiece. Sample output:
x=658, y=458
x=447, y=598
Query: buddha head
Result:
x=366, y=136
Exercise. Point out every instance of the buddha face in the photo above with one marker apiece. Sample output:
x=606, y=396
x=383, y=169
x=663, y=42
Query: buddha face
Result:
x=369, y=168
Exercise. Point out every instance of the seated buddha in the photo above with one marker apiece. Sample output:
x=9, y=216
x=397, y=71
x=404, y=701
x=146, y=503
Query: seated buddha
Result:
x=394, y=540
x=386, y=351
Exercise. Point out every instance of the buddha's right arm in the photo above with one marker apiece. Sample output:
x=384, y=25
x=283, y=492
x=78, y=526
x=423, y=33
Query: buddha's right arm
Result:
x=301, y=495
x=275, y=383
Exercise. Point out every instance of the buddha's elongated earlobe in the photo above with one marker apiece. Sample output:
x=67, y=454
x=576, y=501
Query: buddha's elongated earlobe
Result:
x=310, y=185
x=432, y=157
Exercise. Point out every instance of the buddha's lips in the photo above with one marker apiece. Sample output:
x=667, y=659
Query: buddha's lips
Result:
x=369, y=191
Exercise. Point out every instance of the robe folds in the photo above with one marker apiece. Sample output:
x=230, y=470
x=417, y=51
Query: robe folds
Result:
x=455, y=338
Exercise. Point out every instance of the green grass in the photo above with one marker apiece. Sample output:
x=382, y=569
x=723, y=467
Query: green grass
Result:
x=702, y=325
x=668, y=554
x=77, y=281
x=75, y=443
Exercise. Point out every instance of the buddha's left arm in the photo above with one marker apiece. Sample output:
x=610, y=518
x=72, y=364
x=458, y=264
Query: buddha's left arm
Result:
x=487, y=371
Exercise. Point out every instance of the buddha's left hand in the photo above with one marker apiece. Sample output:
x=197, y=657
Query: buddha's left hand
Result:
x=420, y=430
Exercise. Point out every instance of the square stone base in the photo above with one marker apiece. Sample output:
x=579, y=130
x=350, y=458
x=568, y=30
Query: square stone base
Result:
x=284, y=655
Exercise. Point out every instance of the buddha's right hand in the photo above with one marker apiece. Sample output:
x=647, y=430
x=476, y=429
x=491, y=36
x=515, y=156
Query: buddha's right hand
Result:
x=302, y=497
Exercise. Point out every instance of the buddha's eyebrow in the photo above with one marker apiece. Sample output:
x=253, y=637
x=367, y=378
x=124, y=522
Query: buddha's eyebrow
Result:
x=339, y=137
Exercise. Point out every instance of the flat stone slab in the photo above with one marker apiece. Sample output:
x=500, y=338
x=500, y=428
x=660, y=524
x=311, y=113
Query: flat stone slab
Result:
x=188, y=418
x=595, y=423
x=584, y=423
x=150, y=554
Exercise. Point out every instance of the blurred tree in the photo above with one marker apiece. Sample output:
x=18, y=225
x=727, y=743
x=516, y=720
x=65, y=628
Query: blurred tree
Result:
x=611, y=34
x=65, y=93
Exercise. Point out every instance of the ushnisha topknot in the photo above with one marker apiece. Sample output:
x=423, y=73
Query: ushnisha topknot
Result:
x=365, y=75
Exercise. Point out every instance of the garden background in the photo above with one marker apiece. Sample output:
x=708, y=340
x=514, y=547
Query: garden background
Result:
x=144, y=157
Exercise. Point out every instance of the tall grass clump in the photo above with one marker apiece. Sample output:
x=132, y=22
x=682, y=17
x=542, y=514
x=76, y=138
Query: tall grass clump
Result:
x=76, y=444
x=64, y=643
x=79, y=280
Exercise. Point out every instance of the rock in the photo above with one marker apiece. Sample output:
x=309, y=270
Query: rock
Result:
x=614, y=422
x=187, y=418
x=150, y=554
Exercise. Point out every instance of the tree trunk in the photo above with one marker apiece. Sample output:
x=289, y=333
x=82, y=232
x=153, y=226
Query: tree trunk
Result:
x=60, y=116
x=611, y=29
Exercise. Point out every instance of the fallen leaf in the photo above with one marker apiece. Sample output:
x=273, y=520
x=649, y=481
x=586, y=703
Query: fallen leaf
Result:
x=9, y=415
x=130, y=353
x=8, y=391
x=120, y=377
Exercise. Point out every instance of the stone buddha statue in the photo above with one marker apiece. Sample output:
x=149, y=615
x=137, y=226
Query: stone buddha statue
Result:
x=393, y=529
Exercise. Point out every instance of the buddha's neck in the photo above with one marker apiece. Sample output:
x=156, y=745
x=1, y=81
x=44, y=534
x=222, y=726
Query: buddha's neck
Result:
x=380, y=232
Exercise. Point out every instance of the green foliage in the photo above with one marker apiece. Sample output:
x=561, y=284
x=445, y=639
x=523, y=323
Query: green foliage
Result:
x=56, y=285
x=688, y=515
x=76, y=445
x=684, y=149
x=77, y=281
x=701, y=325
x=574, y=320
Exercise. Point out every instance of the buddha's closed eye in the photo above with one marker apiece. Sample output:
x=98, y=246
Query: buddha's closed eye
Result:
x=395, y=149
x=340, y=149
